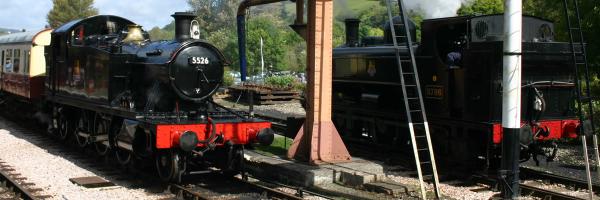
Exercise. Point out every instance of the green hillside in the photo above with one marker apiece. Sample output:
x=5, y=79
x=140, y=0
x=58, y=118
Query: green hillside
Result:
x=351, y=7
x=343, y=8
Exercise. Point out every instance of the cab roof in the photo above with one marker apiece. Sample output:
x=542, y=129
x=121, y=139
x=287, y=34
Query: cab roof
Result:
x=65, y=28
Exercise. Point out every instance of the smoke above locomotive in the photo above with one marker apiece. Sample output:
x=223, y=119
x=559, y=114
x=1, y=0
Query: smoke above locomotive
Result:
x=111, y=61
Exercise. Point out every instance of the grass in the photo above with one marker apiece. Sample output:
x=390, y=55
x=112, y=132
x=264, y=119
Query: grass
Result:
x=279, y=147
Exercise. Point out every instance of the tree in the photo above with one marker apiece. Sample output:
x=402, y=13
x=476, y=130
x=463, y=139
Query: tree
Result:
x=64, y=11
x=482, y=7
x=160, y=34
x=283, y=48
x=215, y=14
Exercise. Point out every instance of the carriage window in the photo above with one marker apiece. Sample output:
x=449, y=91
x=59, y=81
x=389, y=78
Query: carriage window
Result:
x=16, y=60
x=2, y=61
x=27, y=55
x=7, y=61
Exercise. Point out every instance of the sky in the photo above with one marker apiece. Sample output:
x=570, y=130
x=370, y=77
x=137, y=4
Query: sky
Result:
x=31, y=14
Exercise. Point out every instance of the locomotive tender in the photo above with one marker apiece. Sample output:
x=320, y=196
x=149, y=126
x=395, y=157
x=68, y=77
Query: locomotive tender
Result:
x=463, y=97
x=109, y=87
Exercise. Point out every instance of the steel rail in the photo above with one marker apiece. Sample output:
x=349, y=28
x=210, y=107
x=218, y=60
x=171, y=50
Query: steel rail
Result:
x=545, y=194
x=269, y=192
x=579, y=184
x=181, y=191
x=299, y=190
x=12, y=185
x=189, y=193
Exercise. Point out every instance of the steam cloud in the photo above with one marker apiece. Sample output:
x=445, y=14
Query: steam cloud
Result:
x=436, y=8
x=345, y=11
x=430, y=8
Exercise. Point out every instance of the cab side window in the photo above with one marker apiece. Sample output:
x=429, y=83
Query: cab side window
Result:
x=451, y=43
x=77, y=36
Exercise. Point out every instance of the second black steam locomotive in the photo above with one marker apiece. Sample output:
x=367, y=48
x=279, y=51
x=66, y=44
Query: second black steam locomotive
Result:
x=463, y=97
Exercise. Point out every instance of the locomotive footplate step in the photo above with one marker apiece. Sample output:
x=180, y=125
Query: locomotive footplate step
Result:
x=91, y=182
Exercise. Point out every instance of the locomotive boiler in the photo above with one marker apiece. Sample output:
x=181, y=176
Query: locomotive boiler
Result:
x=462, y=95
x=108, y=86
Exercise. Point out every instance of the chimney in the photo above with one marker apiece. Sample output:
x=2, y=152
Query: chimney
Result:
x=182, y=25
x=352, y=32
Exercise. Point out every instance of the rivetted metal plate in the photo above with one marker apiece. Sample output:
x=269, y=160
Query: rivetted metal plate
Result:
x=91, y=182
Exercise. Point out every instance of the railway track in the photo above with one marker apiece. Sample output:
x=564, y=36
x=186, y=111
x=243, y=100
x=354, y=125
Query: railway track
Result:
x=193, y=191
x=190, y=189
x=526, y=173
x=13, y=186
x=528, y=190
x=532, y=189
x=559, y=179
x=281, y=125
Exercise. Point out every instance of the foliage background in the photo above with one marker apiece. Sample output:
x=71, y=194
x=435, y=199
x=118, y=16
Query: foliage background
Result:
x=285, y=51
x=64, y=11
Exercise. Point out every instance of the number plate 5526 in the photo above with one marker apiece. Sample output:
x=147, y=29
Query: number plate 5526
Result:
x=195, y=60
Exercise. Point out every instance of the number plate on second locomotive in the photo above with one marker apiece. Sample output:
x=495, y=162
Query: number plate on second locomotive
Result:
x=434, y=92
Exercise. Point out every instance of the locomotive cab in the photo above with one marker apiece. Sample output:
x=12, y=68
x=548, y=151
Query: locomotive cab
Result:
x=481, y=62
x=472, y=92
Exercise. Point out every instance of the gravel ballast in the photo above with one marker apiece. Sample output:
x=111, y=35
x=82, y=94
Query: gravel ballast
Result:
x=569, y=161
x=449, y=189
x=51, y=171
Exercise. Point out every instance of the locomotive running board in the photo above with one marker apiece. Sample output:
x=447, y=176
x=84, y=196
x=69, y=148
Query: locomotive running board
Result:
x=579, y=59
x=413, y=104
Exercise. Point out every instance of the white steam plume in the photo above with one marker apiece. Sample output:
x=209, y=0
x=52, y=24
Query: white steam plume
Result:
x=436, y=8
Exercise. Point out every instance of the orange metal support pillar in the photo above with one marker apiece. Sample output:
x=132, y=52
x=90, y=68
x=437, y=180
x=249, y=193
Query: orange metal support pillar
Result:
x=318, y=141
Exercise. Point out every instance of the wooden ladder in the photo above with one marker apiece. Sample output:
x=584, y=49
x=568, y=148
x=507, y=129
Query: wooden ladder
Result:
x=413, y=101
x=584, y=101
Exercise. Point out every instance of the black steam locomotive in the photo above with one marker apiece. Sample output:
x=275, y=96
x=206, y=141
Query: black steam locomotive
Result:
x=110, y=87
x=462, y=94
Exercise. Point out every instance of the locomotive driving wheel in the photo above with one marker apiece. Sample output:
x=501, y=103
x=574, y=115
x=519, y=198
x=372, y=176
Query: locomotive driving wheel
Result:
x=64, y=127
x=123, y=156
x=168, y=165
x=234, y=162
x=101, y=130
x=82, y=128
x=53, y=126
